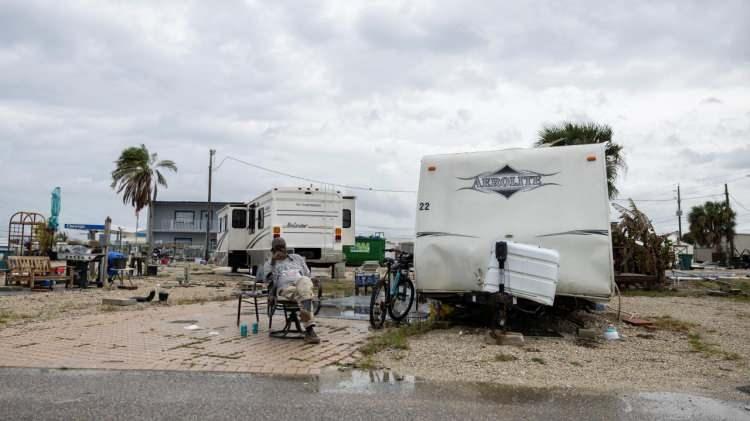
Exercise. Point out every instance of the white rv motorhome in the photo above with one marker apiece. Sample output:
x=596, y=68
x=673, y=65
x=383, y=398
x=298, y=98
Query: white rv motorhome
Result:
x=314, y=222
x=549, y=198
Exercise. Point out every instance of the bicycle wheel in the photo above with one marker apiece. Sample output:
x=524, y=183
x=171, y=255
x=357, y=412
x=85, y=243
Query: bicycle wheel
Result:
x=318, y=294
x=402, y=301
x=378, y=304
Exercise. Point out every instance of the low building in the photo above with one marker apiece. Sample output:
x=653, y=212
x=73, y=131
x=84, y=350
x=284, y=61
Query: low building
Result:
x=182, y=224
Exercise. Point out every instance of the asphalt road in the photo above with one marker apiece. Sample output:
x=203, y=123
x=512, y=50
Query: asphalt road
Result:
x=41, y=394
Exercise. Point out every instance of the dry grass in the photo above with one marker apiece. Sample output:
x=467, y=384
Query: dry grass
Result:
x=697, y=344
x=395, y=338
x=672, y=324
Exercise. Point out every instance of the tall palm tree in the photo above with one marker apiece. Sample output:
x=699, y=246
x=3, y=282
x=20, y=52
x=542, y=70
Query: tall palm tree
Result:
x=568, y=133
x=137, y=176
x=710, y=222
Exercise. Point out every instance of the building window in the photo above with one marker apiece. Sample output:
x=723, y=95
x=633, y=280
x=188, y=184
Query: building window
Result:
x=347, y=222
x=184, y=218
x=184, y=241
x=261, y=214
x=239, y=218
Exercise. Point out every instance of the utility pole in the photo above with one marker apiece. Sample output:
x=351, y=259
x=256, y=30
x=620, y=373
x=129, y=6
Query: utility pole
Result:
x=211, y=153
x=679, y=216
x=103, y=265
x=730, y=255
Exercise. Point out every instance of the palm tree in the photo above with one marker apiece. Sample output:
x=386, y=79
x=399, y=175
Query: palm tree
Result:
x=711, y=222
x=568, y=133
x=137, y=177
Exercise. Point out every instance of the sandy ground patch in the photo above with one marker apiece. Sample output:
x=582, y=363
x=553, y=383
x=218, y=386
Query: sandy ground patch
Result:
x=710, y=357
x=204, y=286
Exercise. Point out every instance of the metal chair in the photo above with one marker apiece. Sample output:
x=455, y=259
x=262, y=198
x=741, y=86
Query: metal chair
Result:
x=251, y=297
x=292, y=328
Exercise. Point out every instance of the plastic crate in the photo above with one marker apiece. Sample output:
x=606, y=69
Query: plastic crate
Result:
x=365, y=279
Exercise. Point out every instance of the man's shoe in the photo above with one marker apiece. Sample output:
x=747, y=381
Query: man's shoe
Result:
x=311, y=337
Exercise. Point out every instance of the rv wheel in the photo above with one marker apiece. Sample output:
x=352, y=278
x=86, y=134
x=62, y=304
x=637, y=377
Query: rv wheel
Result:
x=234, y=269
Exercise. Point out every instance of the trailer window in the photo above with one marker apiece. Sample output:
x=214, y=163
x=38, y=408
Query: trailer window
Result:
x=239, y=218
x=347, y=222
x=251, y=222
x=260, y=218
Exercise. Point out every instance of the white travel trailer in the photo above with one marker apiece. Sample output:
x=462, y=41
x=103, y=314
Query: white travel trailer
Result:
x=314, y=222
x=233, y=236
x=553, y=200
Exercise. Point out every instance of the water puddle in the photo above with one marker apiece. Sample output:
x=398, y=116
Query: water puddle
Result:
x=364, y=382
x=657, y=405
x=358, y=308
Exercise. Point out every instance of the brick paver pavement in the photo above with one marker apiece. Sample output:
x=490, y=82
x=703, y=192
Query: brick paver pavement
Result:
x=156, y=339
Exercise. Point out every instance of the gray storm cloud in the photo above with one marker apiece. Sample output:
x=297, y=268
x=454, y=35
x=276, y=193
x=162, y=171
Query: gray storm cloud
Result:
x=357, y=92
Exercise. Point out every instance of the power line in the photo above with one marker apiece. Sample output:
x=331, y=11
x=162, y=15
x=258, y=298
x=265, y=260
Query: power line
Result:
x=739, y=203
x=312, y=180
x=667, y=200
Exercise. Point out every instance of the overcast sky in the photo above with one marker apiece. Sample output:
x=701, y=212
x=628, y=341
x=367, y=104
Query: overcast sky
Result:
x=356, y=92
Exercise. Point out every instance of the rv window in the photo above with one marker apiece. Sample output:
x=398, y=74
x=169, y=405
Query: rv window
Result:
x=347, y=223
x=239, y=218
x=260, y=218
x=251, y=223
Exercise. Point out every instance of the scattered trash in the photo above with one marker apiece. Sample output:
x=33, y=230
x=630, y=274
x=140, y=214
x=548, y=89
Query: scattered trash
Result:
x=611, y=333
x=243, y=330
x=147, y=298
x=637, y=322
x=587, y=333
x=118, y=301
x=213, y=333
x=192, y=327
x=255, y=328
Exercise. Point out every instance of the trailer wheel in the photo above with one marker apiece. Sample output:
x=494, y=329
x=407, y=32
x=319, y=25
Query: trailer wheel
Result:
x=234, y=269
x=254, y=270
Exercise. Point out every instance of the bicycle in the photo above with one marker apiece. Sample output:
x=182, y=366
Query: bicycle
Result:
x=394, y=294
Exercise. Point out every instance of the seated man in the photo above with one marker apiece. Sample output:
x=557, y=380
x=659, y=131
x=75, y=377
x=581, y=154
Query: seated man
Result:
x=291, y=278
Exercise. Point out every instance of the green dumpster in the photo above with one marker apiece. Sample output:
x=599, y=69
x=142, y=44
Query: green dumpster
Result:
x=364, y=249
x=686, y=261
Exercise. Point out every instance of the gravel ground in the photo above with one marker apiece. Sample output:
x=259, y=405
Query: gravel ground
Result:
x=645, y=360
x=18, y=309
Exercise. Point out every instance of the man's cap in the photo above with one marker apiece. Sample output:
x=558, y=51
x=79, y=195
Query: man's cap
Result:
x=278, y=242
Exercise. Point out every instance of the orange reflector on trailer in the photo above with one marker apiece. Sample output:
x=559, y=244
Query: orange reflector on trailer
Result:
x=591, y=158
x=276, y=232
x=431, y=168
x=338, y=234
